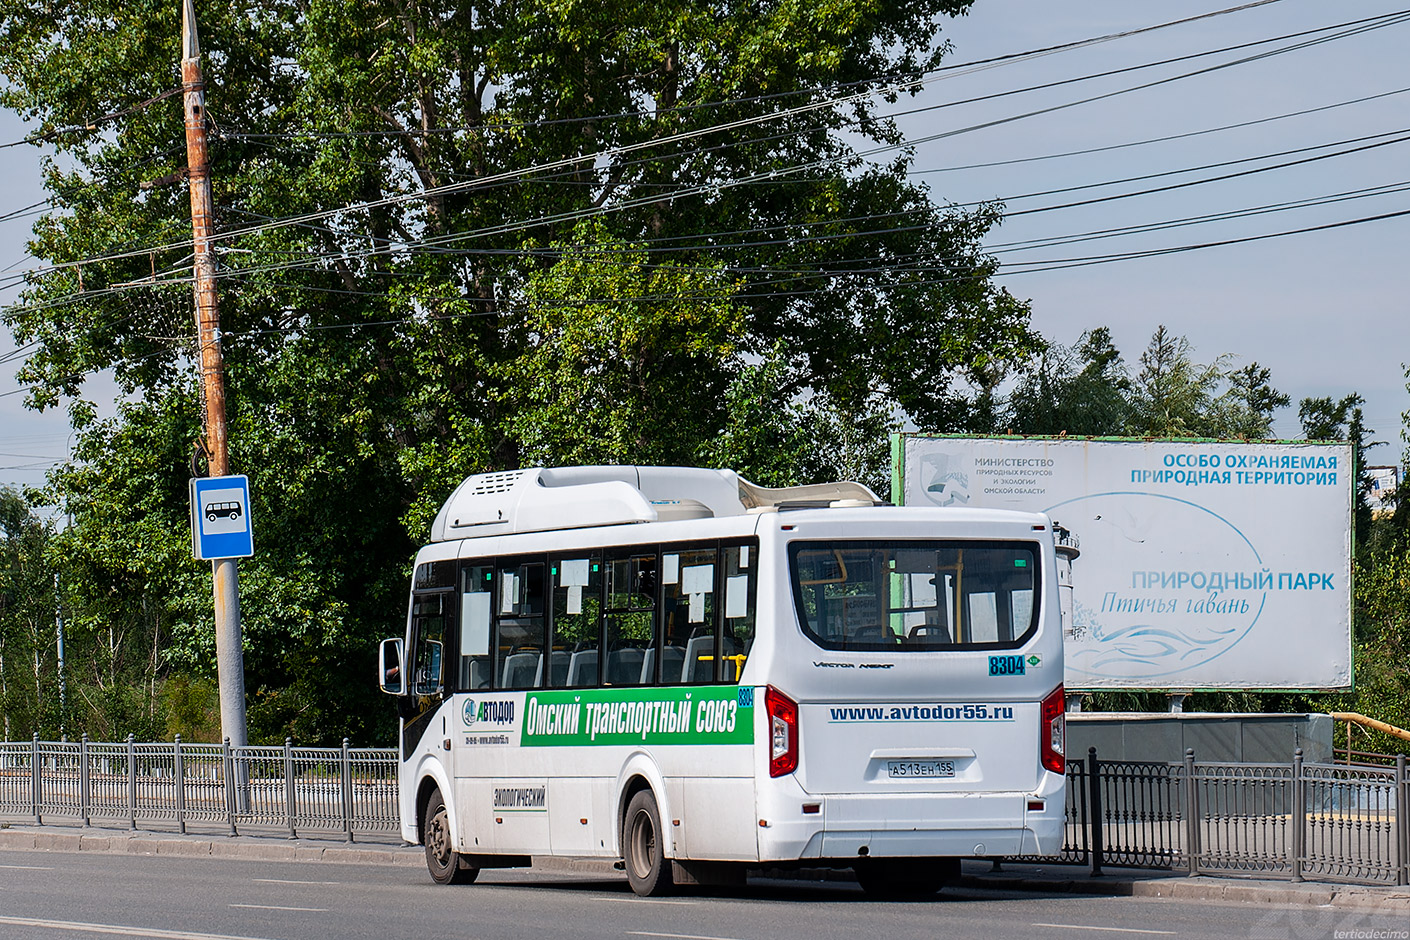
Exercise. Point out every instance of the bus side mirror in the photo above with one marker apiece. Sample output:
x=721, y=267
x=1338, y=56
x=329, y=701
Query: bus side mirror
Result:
x=390, y=674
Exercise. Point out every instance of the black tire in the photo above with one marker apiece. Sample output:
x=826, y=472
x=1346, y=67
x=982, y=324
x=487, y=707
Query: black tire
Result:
x=446, y=865
x=644, y=848
x=906, y=877
x=210, y=517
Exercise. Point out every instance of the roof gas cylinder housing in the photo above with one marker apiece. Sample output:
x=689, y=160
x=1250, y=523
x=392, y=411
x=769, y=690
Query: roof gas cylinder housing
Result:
x=539, y=499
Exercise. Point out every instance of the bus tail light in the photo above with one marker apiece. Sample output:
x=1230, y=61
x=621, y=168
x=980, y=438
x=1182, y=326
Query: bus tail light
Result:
x=783, y=732
x=1052, y=733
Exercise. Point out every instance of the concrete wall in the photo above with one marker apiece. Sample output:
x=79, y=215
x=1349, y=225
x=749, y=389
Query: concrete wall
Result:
x=1164, y=736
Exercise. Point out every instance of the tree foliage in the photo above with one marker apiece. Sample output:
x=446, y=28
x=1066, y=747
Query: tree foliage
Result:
x=459, y=238
x=1089, y=391
x=28, y=697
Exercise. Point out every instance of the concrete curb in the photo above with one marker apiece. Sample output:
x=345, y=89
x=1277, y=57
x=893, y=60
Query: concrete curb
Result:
x=248, y=848
x=1386, y=900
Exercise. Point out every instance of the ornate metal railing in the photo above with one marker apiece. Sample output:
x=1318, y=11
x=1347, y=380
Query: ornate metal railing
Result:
x=292, y=789
x=1297, y=820
x=1294, y=820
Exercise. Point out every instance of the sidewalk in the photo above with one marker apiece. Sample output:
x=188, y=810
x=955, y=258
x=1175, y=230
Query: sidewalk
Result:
x=977, y=875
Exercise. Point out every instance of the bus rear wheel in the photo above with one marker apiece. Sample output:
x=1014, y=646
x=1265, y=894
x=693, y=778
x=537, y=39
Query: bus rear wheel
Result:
x=446, y=865
x=644, y=847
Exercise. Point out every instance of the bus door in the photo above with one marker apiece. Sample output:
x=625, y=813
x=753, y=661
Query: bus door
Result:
x=432, y=603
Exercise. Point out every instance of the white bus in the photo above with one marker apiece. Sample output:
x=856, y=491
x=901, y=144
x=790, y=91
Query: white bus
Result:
x=678, y=669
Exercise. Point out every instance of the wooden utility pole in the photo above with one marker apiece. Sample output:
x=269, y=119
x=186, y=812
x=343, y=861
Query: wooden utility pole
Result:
x=230, y=659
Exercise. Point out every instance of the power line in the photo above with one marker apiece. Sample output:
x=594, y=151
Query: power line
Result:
x=576, y=161
x=1033, y=267
x=1026, y=268
x=1157, y=140
x=1215, y=179
x=774, y=174
x=305, y=261
x=22, y=212
x=1360, y=25
x=903, y=80
x=92, y=124
x=603, y=254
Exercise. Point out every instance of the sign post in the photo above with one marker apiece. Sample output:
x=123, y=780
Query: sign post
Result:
x=222, y=531
x=223, y=569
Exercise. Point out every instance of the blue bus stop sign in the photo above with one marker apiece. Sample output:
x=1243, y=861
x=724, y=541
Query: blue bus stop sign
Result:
x=220, y=518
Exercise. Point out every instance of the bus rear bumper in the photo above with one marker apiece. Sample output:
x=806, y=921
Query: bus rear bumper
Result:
x=909, y=825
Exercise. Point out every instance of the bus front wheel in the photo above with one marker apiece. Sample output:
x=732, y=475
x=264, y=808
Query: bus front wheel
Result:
x=445, y=864
x=644, y=847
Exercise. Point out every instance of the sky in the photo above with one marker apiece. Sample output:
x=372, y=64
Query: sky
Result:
x=1324, y=310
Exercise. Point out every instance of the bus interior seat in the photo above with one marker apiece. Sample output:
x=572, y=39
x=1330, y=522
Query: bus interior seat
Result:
x=671, y=659
x=582, y=668
x=624, y=666
x=520, y=670
x=932, y=633
x=557, y=669
x=479, y=673
x=874, y=633
x=693, y=667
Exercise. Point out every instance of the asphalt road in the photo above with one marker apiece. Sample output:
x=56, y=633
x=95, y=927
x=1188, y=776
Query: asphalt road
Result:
x=49, y=895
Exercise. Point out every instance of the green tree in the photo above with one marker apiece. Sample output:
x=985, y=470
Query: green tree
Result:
x=1325, y=419
x=776, y=437
x=408, y=293
x=1081, y=390
x=28, y=687
x=1248, y=404
x=620, y=337
x=1172, y=395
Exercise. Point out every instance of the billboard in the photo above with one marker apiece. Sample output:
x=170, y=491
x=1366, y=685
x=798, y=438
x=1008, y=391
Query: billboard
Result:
x=1194, y=565
x=1381, y=497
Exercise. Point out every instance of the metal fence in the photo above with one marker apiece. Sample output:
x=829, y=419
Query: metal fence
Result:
x=295, y=789
x=1298, y=820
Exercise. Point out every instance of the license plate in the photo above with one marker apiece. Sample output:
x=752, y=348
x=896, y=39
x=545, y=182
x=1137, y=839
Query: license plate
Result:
x=920, y=768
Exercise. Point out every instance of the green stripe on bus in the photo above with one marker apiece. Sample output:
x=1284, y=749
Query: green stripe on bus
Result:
x=596, y=717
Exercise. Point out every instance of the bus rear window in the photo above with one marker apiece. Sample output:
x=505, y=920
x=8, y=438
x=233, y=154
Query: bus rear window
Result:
x=910, y=595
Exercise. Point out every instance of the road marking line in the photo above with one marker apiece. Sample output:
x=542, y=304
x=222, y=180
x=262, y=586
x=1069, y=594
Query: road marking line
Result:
x=276, y=907
x=1164, y=933
x=151, y=932
x=284, y=881
x=675, y=936
x=28, y=867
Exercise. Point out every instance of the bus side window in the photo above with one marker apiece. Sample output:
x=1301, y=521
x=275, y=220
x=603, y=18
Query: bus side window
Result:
x=577, y=608
x=741, y=592
x=519, y=626
x=629, y=620
x=476, y=662
x=690, y=627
